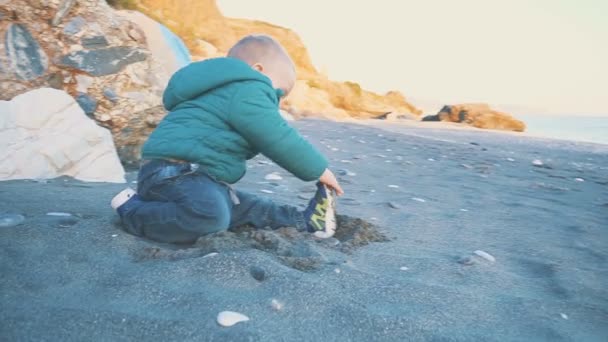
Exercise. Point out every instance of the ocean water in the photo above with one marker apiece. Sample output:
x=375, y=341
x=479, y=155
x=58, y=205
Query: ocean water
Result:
x=579, y=128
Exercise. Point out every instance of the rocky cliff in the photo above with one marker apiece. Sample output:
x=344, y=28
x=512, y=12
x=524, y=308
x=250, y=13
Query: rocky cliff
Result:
x=478, y=115
x=208, y=33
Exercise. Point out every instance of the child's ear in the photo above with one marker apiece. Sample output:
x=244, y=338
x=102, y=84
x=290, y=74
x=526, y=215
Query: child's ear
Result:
x=259, y=67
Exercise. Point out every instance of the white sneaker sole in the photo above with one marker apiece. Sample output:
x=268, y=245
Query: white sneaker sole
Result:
x=122, y=197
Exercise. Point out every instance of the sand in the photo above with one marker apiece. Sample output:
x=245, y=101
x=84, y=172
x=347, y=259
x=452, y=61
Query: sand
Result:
x=419, y=203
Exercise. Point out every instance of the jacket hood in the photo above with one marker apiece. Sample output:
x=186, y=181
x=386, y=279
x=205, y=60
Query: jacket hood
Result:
x=198, y=78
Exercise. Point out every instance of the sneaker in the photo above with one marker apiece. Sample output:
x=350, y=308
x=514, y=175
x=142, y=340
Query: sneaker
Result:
x=122, y=198
x=320, y=215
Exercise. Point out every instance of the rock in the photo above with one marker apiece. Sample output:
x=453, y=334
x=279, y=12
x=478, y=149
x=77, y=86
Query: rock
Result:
x=393, y=186
x=104, y=61
x=64, y=8
x=276, y=305
x=478, y=115
x=94, y=42
x=579, y=179
x=11, y=220
x=403, y=268
x=83, y=83
x=257, y=273
x=467, y=261
x=55, y=80
x=267, y=191
x=34, y=150
x=87, y=103
x=230, y=318
x=273, y=176
x=110, y=94
x=563, y=315
x=537, y=162
x=74, y=26
x=60, y=214
x=345, y=172
x=393, y=116
x=485, y=255
x=394, y=205
x=417, y=199
x=212, y=254
x=25, y=56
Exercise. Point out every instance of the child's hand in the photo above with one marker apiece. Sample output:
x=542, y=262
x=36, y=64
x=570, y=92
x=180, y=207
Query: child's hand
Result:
x=330, y=180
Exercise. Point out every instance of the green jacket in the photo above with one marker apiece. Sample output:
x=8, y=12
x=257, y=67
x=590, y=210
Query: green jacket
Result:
x=222, y=113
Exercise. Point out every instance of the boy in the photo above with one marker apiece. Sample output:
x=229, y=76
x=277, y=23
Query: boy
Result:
x=224, y=111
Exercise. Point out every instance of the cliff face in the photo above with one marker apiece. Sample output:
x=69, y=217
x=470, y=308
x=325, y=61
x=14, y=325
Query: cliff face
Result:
x=209, y=34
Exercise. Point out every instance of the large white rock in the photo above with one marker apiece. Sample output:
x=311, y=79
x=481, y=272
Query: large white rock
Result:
x=45, y=134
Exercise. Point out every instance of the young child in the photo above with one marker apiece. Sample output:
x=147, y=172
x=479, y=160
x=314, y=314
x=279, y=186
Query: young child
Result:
x=222, y=112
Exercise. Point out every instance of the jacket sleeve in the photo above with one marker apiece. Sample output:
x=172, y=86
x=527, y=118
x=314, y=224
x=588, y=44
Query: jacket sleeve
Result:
x=254, y=114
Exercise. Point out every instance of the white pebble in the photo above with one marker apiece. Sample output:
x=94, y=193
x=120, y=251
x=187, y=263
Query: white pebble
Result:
x=114, y=235
x=564, y=316
x=276, y=305
x=133, y=182
x=273, y=176
x=388, y=150
x=537, y=162
x=465, y=210
x=361, y=141
x=393, y=186
x=485, y=255
x=417, y=199
x=210, y=255
x=335, y=149
x=466, y=166
x=511, y=159
x=381, y=155
x=337, y=270
x=403, y=268
x=58, y=214
x=431, y=159
x=230, y=318
x=10, y=220
x=579, y=179
x=267, y=191
x=346, y=161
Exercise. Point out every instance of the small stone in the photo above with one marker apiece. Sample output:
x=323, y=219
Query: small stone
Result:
x=76, y=48
x=337, y=270
x=66, y=222
x=335, y=149
x=346, y=161
x=267, y=191
x=403, y=268
x=64, y=8
x=393, y=186
x=273, y=176
x=102, y=62
x=388, y=150
x=394, y=205
x=466, y=166
x=579, y=179
x=87, y=103
x=212, y=254
x=95, y=42
x=61, y=214
x=11, y=220
x=485, y=255
x=110, y=94
x=74, y=26
x=105, y=117
x=467, y=261
x=277, y=305
x=418, y=199
x=563, y=315
x=83, y=83
x=537, y=162
x=345, y=172
x=230, y=318
x=511, y=159
x=465, y=210
x=431, y=159
x=257, y=273
x=114, y=235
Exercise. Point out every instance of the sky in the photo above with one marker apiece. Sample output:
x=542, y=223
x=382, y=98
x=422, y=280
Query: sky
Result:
x=533, y=56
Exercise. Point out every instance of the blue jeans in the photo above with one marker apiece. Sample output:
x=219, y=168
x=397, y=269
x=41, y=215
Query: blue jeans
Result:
x=180, y=203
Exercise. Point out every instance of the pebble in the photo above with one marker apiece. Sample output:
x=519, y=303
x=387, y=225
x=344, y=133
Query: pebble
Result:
x=346, y=161
x=465, y=210
x=210, y=255
x=467, y=261
x=267, y=191
x=403, y=268
x=10, y=220
x=485, y=255
x=257, y=273
x=264, y=162
x=417, y=199
x=393, y=186
x=277, y=305
x=431, y=159
x=564, y=316
x=511, y=159
x=388, y=150
x=114, y=235
x=273, y=176
x=335, y=149
x=380, y=155
x=537, y=162
x=579, y=179
x=345, y=172
x=230, y=318
x=466, y=166
x=394, y=205
x=59, y=214
x=337, y=270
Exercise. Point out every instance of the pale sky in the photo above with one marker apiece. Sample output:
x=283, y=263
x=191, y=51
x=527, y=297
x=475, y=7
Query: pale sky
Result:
x=550, y=55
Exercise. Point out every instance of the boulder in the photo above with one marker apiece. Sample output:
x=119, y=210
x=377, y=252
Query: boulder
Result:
x=45, y=134
x=478, y=115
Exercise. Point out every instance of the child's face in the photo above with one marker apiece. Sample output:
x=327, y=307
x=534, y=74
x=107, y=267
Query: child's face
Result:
x=282, y=76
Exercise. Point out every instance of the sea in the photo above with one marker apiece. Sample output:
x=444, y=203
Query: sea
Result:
x=570, y=127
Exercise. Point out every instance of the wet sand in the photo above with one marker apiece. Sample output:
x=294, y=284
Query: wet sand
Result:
x=419, y=203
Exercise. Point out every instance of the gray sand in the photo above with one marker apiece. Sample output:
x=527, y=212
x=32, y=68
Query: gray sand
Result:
x=405, y=271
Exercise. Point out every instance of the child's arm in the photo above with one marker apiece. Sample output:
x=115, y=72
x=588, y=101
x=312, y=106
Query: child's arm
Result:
x=254, y=114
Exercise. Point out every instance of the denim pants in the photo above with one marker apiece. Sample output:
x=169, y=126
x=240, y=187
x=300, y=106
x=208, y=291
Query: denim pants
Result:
x=181, y=203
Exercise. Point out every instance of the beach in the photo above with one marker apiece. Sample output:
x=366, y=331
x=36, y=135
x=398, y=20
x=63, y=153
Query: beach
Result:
x=445, y=235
